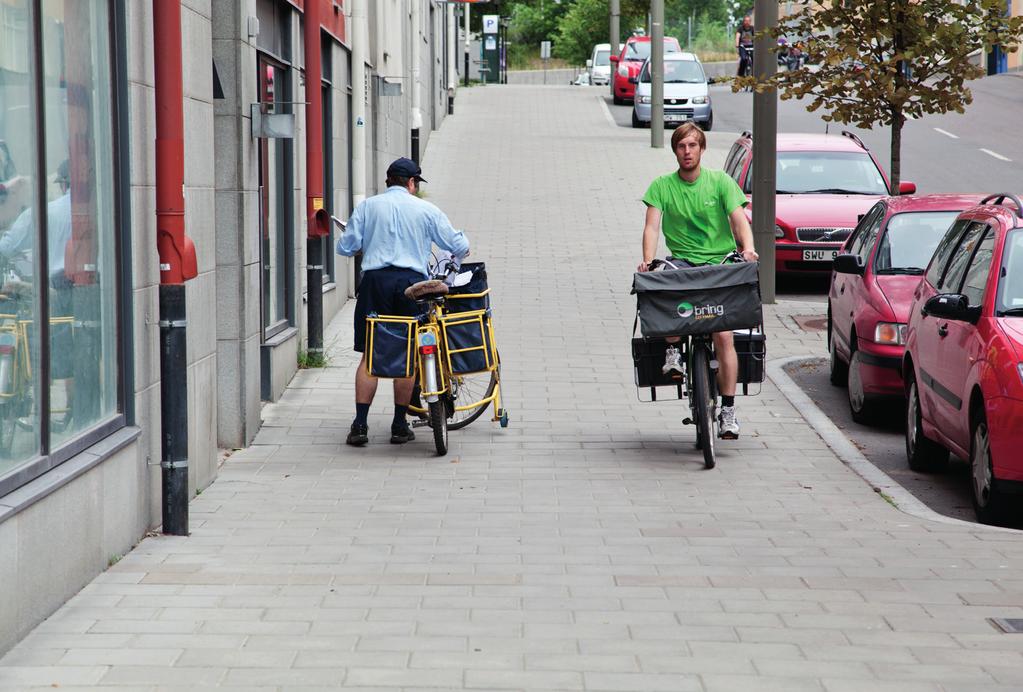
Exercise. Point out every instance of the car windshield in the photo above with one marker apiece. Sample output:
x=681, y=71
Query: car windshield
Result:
x=1010, y=283
x=602, y=58
x=641, y=50
x=910, y=240
x=677, y=72
x=828, y=172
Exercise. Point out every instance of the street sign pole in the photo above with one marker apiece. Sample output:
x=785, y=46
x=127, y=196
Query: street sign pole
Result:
x=616, y=28
x=656, y=74
x=765, y=149
x=465, y=9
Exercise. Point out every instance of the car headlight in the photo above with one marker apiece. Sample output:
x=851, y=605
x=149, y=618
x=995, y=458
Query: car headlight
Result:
x=644, y=99
x=779, y=232
x=890, y=333
x=700, y=99
x=623, y=71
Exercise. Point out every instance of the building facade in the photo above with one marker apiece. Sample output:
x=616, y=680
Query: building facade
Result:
x=80, y=384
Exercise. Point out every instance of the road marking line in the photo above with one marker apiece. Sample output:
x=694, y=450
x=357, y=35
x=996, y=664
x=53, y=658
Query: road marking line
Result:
x=947, y=134
x=607, y=112
x=997, y=156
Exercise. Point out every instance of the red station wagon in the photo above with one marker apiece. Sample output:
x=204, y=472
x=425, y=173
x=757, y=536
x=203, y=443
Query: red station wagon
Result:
x=871, y=290
x=963, y=365
x=626, y=65
x=824, y=183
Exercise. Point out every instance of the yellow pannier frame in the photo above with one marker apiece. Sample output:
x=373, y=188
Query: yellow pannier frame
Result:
x=481, y=318
x=410, y=323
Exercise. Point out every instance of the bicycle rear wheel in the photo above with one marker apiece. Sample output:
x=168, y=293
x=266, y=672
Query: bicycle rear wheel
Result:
x=703, y=403
x=439, y=423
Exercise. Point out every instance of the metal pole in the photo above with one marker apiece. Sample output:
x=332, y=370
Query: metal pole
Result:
x=417, y=100
x=466, y=11
x=657, y=74
x=616, y=28
x=452, y=58
x=317, y=220
x=765, y=150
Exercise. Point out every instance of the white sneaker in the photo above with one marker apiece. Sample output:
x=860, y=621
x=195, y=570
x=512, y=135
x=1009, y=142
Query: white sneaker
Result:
x=728, y=426
x=672, y=361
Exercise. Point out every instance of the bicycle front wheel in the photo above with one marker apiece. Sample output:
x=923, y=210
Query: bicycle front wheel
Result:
x=439, y=423
x=472, y=389
x=703, y=403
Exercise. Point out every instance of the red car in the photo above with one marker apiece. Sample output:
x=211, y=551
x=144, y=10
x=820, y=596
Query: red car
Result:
x=824, y=183
x=963, y=365
x=625, y=66
x=871, y=288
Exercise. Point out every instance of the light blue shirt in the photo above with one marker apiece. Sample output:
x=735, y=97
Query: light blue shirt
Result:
x=398, y=229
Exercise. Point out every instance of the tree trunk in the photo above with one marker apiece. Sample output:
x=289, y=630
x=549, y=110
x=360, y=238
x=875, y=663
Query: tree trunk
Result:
x=896, y=153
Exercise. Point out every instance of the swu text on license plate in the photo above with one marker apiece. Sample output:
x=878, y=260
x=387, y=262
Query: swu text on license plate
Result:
x=819, y=255
x=674, y=118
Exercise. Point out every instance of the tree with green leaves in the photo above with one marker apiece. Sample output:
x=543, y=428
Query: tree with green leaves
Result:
x=586, y=22
x=883, y=61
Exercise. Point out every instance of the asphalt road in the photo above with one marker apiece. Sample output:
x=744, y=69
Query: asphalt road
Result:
x=978, y=151
x=883, y=444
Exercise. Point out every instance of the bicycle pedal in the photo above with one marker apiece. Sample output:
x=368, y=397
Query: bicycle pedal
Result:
x=687, y=421
x=420, y=423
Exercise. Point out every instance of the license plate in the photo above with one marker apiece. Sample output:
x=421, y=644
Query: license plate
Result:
x=676, y=118
x=819, y=255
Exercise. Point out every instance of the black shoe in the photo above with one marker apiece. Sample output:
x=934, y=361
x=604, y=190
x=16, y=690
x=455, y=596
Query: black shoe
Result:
x=358, y=435
x=400, y=436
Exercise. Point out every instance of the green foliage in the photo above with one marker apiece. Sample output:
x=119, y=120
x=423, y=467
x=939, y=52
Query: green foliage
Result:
x=307, y=359
x=881, y=61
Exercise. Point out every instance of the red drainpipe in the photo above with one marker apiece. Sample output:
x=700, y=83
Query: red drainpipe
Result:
x=177, y=265
x=177, y=254
x=317, y=219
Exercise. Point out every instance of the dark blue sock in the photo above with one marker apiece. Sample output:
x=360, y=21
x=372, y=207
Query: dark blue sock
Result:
x=727, y=400
x=361, y=413
x=399, y=417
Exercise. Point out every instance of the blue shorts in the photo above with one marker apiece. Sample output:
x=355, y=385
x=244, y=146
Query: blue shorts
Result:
x=382, y=291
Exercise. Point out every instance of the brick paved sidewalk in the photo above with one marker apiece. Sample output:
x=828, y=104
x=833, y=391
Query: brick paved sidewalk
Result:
x=584, y=547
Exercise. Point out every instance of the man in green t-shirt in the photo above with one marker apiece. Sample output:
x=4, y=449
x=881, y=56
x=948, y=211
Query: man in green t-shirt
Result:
x=701, y=213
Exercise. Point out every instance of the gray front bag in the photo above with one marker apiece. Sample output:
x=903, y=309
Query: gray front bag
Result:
x=698, y=300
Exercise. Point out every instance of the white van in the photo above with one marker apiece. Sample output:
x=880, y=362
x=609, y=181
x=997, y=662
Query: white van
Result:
x=599, y=64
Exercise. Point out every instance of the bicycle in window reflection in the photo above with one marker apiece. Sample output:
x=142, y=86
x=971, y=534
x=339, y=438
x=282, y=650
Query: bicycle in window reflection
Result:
x=450, y=349
x=17, y=384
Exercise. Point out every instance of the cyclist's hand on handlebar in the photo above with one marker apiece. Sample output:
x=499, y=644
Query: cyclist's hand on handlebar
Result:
x=750, y=255
x=643, y=267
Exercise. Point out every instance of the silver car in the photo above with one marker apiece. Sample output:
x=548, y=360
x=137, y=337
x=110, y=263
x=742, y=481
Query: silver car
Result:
x=686, y=93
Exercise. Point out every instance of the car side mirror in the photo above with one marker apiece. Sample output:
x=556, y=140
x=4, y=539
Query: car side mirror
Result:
x=952, y=306
x=614, y=58
x=849, y=264
x=906, y=188
x=711, y=80
x=589, y=64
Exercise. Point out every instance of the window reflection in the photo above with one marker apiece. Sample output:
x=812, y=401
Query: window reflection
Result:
x=19, y=200
x=82, y=276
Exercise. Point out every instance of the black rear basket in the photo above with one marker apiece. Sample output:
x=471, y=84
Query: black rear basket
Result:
x=475, y=295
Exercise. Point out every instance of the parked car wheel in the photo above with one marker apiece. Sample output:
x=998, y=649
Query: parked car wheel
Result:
x=923, y=454
x=987, y=501
x=636, y=122
x=839, y=374
x=709, y=123
x=617, y=101
x=859, y=403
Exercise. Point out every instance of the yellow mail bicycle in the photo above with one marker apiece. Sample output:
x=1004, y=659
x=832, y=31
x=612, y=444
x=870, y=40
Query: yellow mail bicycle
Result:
x=450, y=349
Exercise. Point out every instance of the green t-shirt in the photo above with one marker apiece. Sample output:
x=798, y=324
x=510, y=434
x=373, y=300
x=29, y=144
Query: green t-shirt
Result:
x=694, y=216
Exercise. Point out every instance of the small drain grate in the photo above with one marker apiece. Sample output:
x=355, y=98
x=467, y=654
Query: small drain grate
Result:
x=1008, y=625
x=811, y=323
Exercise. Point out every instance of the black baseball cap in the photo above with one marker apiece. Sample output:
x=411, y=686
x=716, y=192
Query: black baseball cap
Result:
x=405, y=168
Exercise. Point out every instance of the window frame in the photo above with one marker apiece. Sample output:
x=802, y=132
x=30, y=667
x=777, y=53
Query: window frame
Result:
x=982, y=229
x=991, y=234
x=51, y=456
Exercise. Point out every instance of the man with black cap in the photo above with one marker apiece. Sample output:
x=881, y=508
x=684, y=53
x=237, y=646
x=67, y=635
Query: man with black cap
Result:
x=395, y=231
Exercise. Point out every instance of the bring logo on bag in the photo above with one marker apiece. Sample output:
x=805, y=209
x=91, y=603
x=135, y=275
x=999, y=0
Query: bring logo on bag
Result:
x=702, y=312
